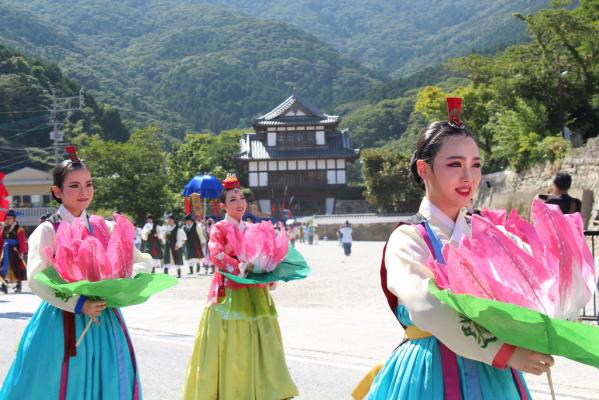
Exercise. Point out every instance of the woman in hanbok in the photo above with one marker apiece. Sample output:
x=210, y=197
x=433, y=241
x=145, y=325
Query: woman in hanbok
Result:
x=443, y=355
x=238, y=352
x=48, y=365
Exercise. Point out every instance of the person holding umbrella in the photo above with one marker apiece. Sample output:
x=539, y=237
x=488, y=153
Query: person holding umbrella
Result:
x=13, y=248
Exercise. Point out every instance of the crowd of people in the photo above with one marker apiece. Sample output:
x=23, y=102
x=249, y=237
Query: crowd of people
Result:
x=238, y=352
x=174, y=246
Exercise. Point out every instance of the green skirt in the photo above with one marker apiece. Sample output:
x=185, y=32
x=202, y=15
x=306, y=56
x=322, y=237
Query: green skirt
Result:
x=238, y=352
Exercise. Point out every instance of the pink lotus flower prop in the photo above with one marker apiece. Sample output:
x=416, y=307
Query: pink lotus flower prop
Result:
x=81, y=255
x=554, y=274
x=260, y=245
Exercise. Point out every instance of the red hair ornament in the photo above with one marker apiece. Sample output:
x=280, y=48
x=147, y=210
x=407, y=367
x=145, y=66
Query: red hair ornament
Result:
x=231, y=182
x=454, y=110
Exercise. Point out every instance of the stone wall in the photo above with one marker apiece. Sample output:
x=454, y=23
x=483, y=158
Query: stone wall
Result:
x=353, y=207
x=508, y=189
x=369, y=232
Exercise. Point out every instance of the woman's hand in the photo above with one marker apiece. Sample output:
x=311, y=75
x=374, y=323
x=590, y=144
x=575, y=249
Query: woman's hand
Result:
x=93, y=309
x=530, y=361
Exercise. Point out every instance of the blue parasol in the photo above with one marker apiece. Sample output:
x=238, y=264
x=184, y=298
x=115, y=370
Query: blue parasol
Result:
x=207, y=186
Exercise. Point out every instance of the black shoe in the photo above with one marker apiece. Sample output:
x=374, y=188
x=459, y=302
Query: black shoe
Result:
x=153, y=269
x=5, y=288
x=18, y=288
x=190, y=271
x=166, y=271
x=178, y=272
x=198, y=268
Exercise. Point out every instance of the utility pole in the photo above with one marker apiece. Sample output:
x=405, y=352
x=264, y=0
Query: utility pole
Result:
x=62, y=105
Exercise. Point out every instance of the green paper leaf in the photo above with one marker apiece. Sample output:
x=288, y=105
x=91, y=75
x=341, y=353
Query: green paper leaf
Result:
x=523, y=327
x=293, y=267
x=119, y=292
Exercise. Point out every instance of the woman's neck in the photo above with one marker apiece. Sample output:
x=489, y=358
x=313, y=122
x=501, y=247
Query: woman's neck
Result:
x=233, y=218
x=75, y=213
x=450, y=211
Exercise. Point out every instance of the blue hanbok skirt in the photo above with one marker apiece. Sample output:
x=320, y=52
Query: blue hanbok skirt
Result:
x=104, y=366
x=415, y=372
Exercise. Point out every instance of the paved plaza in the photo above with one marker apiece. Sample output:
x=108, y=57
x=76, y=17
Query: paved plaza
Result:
x=335, y=325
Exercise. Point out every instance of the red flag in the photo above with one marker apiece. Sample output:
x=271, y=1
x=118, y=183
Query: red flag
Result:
x=187, y=202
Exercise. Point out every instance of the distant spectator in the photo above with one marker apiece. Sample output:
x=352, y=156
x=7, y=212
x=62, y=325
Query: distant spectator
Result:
x=559, y=194
x=346, y=239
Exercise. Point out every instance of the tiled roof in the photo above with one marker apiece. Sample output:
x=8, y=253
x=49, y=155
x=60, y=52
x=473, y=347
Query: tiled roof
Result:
x=337, y=147
x=278, y=117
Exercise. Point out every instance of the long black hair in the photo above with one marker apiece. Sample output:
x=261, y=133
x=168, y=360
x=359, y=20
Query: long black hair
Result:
x=429, y=143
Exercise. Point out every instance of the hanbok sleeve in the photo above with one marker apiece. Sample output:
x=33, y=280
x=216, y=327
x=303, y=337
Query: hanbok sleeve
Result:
x=217, y=245
x=23, y=248
x=408, y=278
x=201, y=234
x=37, y=261
x=181, y=238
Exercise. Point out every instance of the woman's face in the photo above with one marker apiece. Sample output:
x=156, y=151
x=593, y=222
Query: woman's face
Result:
x=235, y=204
x=454, y=177
x=77, y=191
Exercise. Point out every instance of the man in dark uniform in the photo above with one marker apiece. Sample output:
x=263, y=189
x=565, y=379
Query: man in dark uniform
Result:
x=13, y=247
x=559, y=194
x=174, y=240
x=152, y=241
x=194, y=243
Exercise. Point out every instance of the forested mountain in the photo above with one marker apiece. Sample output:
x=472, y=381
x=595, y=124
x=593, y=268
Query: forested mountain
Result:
x=25, y=101
x=192, y=66
x=213, y=64
x=399, y=37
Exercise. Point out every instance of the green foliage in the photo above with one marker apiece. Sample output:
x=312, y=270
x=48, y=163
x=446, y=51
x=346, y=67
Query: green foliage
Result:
x=389, y=187
x=129, y=177
x=204, y=153
x=399, y=37
x=25, y=99
x=376, y=124
x=190, y=66
x=520, y=136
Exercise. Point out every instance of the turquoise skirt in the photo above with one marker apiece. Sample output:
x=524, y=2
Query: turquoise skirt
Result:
x=414, y=372
x=103, y=368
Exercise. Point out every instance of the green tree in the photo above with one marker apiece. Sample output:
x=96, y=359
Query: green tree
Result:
x=129, y=177
x=521, y=138
x=389, y=187
x=204, y=153
x=375, y=125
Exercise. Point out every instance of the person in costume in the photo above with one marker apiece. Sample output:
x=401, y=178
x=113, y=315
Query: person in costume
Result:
x=194, y=244
x=174, y=238
x=208, y=225
x=48, y=365
x=443, y=355
x=13, y=248
x=238, y=352
x=152, y=241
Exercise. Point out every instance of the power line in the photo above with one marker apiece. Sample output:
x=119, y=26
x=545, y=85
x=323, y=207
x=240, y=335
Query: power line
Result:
x=62, y=104
x=22, y=112
x=27, y=131
x=23, y=121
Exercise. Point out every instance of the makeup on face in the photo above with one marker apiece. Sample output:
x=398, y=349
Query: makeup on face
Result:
x=235, y=204
x=453, y=179
x=77, y=191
